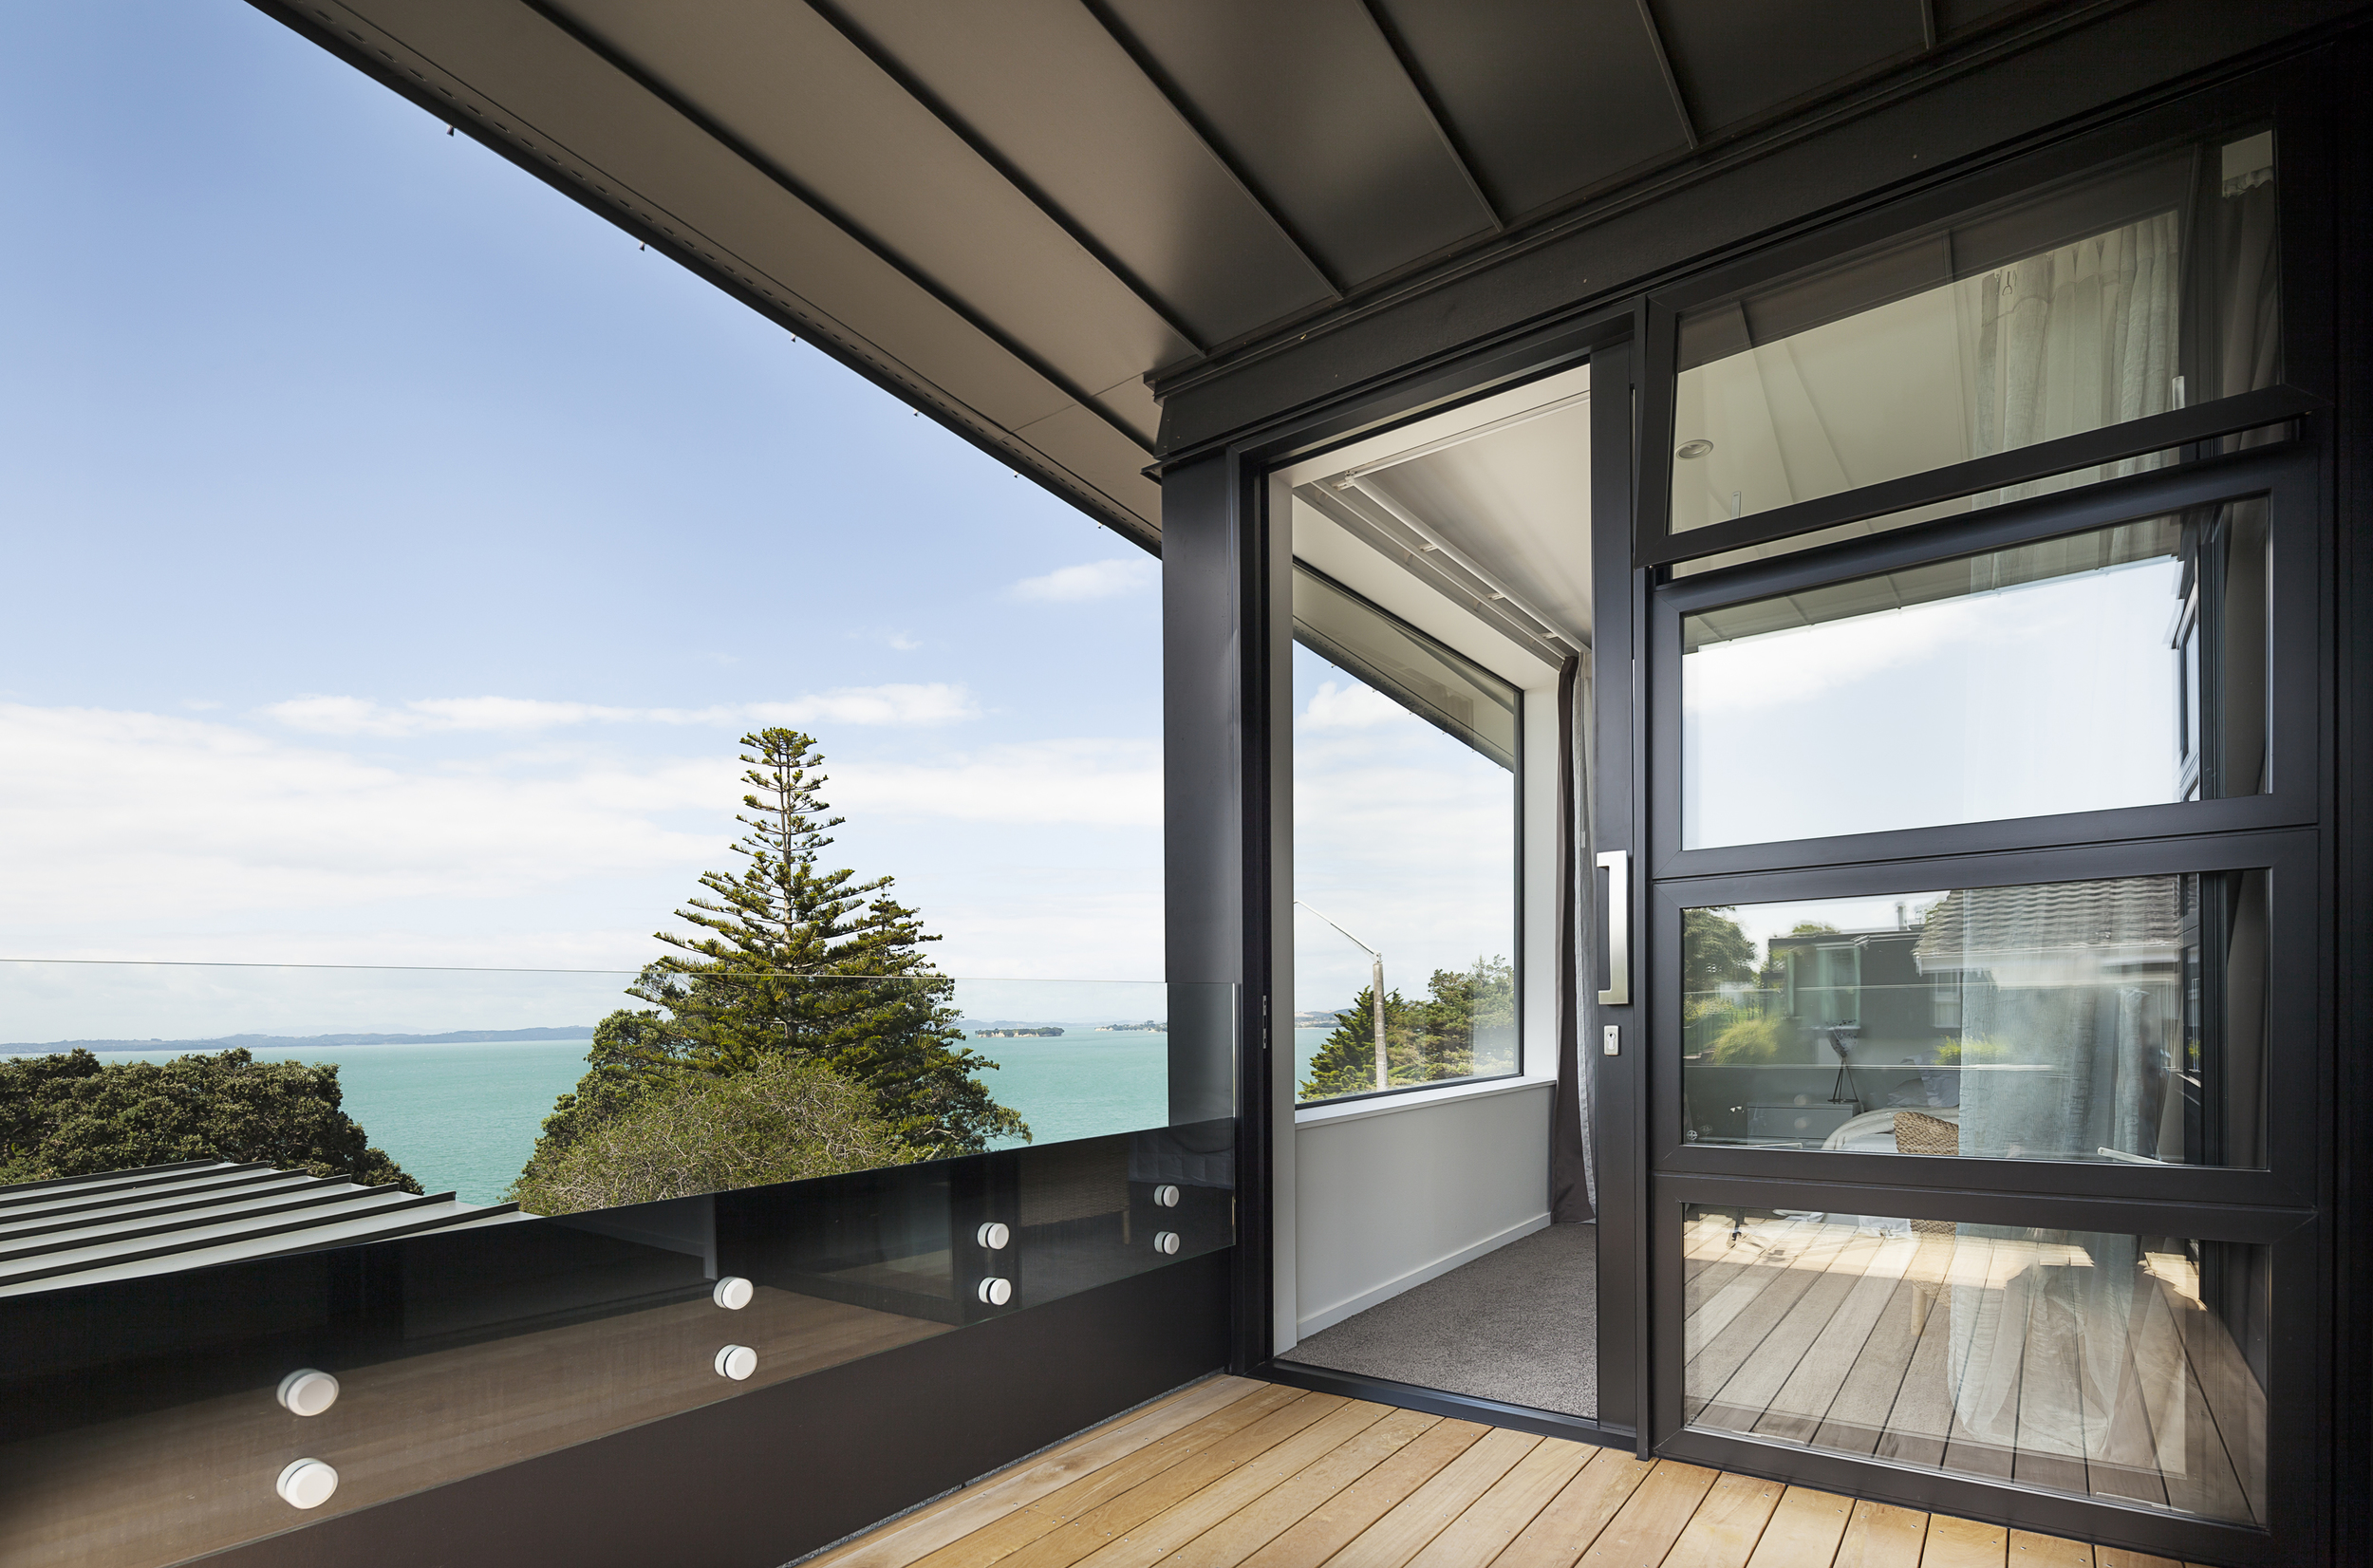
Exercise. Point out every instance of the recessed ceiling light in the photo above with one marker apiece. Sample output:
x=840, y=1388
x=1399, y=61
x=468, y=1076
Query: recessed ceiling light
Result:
x=1694, y=449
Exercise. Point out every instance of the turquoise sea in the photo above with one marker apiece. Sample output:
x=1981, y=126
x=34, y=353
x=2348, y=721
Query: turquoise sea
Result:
x=464, y=1117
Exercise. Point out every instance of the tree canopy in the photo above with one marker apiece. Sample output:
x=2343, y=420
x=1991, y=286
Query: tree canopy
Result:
x=1714, y=950
x=786, y=960
x=71, y=1114
x=1425, y=1040
x=777, y=1121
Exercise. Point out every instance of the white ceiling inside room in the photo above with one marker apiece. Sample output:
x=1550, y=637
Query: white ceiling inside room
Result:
x=1487, y=505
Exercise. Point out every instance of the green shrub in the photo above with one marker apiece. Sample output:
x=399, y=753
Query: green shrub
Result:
x=690, y=1132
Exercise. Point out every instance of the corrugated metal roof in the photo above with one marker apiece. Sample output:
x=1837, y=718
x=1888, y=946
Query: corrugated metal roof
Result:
x=120, y=1224
x=1983, y=926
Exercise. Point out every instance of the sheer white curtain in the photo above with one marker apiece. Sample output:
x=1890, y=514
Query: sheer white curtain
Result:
x=2070, y=340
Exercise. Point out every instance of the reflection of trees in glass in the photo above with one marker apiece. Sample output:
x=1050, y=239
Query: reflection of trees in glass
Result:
x=71, y=1114
x=1734, y=1011
x=1715, y=951
x=789, y=962
x=691, y=1132
x=1425, y=1040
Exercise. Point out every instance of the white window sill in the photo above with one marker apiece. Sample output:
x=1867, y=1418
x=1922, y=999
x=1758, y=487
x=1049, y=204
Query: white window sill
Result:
x=1414, y=1099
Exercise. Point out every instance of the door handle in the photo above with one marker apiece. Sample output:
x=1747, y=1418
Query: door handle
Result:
x=1618, y=865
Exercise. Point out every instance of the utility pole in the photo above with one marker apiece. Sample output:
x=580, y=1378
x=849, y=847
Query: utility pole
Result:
x=1375, y=992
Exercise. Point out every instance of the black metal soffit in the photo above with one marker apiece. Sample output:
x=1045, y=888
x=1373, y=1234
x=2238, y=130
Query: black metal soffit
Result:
x=1012, y=216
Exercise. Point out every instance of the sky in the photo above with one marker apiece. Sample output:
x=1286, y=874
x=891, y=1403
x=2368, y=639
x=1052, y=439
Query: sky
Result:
x=1957, y=710
x=396, y=552
x=1402, y=835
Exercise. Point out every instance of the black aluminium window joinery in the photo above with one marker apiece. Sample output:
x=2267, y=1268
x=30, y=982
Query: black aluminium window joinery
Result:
x=2285, y=475
x=2286, y=828
x=2277, y=1214
x=2279, y=97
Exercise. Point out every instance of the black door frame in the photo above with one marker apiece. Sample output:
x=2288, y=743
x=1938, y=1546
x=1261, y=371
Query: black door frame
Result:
x=1262, y=557
x=2288, y=1206
x=1629, y=346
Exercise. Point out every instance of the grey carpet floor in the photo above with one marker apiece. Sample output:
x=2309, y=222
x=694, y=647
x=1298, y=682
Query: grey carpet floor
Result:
x=1520, y=1325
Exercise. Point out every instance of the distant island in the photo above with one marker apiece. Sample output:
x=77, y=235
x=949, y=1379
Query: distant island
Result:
x=1320, y=1020
x=1148, y=1027
x=284, y=1042
x=1041, y=1032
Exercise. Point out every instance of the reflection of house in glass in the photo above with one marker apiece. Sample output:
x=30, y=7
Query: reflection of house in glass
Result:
x=2055, y=1006
x=2071, y=1020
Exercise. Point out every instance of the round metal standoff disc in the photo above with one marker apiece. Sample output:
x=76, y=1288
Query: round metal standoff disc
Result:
x=308, y=1390
x=306, y=1483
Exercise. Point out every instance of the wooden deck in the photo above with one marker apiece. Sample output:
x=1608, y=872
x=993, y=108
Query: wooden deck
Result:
x=1993, y=1356
x=1234, y=1472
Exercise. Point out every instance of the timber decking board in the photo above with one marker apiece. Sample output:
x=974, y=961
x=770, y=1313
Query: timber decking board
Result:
x=2004, y=1357
x=1232, y=1473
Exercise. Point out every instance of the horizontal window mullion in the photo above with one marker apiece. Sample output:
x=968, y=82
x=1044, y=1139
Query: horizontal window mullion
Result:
x=2206, y=482
x=2086, y=449
x=1843, y=1174
x=2200, y=1219
x=2104, y=833
x=2158, y=854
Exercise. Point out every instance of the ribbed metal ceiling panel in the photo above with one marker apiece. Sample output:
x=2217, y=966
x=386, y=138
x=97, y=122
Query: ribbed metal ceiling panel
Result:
x=1545, y=101
x=1073, y=117
x=798, y=96
x=615, y=138
x=1015, y=214
x=1735, y=63
x=1310, y=103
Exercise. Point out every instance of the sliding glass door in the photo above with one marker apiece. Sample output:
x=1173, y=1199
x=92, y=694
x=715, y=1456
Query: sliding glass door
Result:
x=1977, y=860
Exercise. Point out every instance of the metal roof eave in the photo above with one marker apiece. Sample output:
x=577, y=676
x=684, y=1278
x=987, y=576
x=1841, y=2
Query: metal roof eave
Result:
x=535, y=94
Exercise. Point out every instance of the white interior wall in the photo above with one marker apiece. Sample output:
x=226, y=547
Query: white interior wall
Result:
x=1392, y=1193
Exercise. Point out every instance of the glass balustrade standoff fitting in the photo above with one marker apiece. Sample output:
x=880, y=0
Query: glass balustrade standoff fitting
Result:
x=993, y=1235
x=307, y=1392
x=1165, y=1196
x=737, y=1362
x=306, y=1483
x=997, y=1292
x=1165, y=1241
x=733, y=1293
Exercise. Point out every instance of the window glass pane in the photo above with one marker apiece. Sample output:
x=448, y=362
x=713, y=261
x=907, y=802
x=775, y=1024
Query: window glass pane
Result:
x=2046, y=678
x=1405, y=801
x=2050, y=317
x=2119, y=1020
x=2114, y=1366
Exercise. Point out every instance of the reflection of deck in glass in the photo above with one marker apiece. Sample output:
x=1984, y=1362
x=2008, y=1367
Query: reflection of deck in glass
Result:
x=2014, y=1357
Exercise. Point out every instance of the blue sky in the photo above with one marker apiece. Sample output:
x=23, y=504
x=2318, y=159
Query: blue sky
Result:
x=1402, y=835
x=396, y=552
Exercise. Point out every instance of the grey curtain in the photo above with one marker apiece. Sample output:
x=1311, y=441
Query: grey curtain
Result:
x=1572, y=1183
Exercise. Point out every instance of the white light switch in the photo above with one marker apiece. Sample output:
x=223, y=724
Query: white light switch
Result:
x=1611, y=1040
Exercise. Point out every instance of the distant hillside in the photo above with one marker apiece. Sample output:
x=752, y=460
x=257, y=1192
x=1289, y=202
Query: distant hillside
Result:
x=282, y=1043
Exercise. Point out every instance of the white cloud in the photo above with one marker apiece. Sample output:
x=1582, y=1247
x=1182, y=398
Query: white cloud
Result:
x=130, y=819
x=1085, y=783
x=935, y=703
x=915, y=703
x=1092, y=580
x=137, y=834
x=1351, y=707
